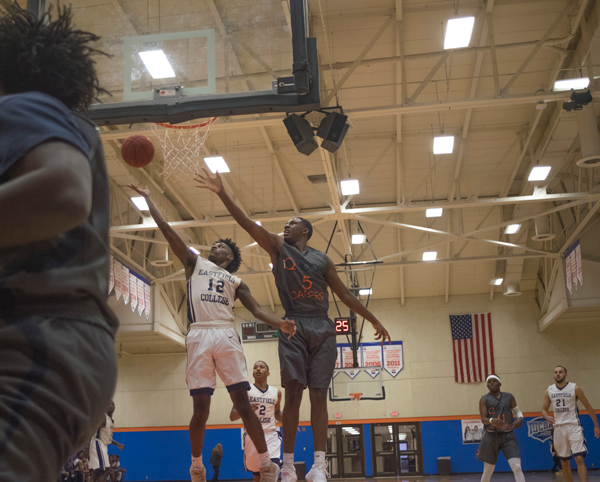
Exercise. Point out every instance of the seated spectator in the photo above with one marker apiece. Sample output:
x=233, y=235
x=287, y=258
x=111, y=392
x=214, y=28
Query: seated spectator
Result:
x=118, y=470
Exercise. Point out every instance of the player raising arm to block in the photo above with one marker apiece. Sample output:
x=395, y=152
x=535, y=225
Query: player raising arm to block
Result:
x=568, y=433
x=302, y=275
x=266, y=402
x=213, y=344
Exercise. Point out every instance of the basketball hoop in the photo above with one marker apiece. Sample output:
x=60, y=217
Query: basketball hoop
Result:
x=182, y=146
x=356, y=396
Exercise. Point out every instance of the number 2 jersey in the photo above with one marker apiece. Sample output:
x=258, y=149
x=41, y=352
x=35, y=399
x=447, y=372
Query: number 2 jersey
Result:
x=300, y=280
x=266, y=402
x=564, y=404
x=211, y=295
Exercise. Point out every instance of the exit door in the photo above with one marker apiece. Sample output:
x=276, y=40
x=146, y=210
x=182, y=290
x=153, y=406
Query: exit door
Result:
x=397, y=449
x=345, y=451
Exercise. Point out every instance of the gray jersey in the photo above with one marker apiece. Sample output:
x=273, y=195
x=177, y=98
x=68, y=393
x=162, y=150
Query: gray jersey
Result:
x=499, y=408
x=66, y=275
x=300, y=280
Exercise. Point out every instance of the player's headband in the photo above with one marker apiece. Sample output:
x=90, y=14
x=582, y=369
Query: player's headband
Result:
x=492, y=376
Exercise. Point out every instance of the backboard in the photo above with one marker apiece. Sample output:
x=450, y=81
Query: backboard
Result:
x=178, y=60
x=367, y=381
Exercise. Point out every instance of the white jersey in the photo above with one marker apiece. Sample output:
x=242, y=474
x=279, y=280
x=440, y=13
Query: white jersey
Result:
x=105, y=434
x=211, y=295
x=564, y=404
x=266, y=402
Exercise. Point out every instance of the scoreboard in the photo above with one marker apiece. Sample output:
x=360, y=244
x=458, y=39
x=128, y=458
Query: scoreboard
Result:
x=255, y=331
x=343, y=326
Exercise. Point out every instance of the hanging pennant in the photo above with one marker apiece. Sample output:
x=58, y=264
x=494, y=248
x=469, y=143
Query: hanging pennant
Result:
x=579, y=263
x=568, y=277
x=111, y=274
x=393, y=359
x=118, y=267
x=141, y=296
x=125, y=283
x=338, y=361
x=371, y=355
x=133, y=291
x=147, y=299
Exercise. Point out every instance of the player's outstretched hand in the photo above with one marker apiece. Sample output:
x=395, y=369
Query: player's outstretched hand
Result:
x=518, y=422
x=597, y=431
x=381, y=333
x=288, y=326
x=206, y=181
x=550, y=420
x=145, y=193
x=254, y=407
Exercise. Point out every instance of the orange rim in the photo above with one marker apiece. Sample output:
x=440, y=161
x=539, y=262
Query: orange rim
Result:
x=194, y=126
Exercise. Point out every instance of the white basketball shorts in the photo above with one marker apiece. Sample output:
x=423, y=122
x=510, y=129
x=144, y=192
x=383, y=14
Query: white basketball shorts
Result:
x=212, y=351
x=569, y=441
x=251, y=459
x=98, y=455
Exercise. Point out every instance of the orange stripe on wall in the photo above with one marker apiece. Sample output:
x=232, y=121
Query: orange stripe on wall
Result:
x=341, y=421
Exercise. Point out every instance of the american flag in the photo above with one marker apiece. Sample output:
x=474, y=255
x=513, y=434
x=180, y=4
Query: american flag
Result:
x=473, y=347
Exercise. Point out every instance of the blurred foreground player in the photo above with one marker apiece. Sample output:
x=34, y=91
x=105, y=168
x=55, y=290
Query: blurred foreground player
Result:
x=57, y=359
x=213, y=345
x=302, y=276
x=568, y=436
x=266, y=403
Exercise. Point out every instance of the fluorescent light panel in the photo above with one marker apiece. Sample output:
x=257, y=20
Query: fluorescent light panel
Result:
x=365, y=292
x=271, y=265
x=157, y=64
x=140, y=203
x=358, y=238
x=443, y=144
x=350, y=187
x=258, y=222
x=429, y=255
x=571, y=84
x=216, y=164
x=194, y=250
x=498, y=281
x=512, y=229
x=458, y=32
x=434, y=212
x=539, y=173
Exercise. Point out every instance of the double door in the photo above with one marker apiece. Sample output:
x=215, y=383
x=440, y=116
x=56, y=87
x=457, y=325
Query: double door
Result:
x=345, y=451
x=397, y=449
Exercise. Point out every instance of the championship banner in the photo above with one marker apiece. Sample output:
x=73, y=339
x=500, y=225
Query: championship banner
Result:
x=118, y=267
x=579, y=265
x=372, y=355
x=338, y=360
x=147, y=299
x=573, y=266
x=111, y=275
x=348, y=362
x=125, y=283
x=133, y=291
x=393, y=358
x=568, y=277
x=141, y=296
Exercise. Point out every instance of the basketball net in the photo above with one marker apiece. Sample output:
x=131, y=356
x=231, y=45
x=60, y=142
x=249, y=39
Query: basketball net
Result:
x=182, y=148
x=356, y=396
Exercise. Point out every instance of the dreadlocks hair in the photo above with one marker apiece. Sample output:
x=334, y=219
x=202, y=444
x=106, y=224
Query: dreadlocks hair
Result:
x=307, y=224
x=237, y=255
x=48, y=55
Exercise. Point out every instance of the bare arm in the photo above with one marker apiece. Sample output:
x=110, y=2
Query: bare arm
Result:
x=244, y=295
x=187, y=258
x=278, y=414
x=270, y=242
x=352, y=302
x=590, y=410
x=117, y=444
x=513, y=404
x=234, y=415
x=545, y=409
x=46, y=193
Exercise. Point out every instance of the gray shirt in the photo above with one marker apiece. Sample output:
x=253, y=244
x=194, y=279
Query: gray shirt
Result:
x=67, y=275
x=300, y=280
x=499, y=408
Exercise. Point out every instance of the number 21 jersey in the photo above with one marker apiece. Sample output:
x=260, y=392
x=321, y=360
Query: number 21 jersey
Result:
x=211, y=295
x=564, y=403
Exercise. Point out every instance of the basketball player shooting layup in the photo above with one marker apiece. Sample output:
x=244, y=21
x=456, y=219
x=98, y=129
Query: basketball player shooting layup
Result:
x=213, y=344
x=568, y=433
x=302, y=275
x=57, y=360
x=497, y=409
x=265, y=401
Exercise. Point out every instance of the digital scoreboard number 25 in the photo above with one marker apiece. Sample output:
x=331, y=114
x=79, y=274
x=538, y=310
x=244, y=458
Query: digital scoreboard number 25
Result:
x=342, y=326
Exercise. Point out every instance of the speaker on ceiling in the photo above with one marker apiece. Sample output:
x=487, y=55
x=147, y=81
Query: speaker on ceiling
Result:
x=333, y=130
x=301, y=133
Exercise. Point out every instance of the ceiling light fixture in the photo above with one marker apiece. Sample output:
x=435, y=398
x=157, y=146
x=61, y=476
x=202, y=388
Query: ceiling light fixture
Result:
x=365, y=292
x=429, y=255
x=157, y=64
x=350, y=187
x=458, y=32
x=434, y=212
x=216, y=164
x=140, y=203
x=443, y=144
x=512, y=229
x=571, y=84
x=359, y=239
x=539, y=173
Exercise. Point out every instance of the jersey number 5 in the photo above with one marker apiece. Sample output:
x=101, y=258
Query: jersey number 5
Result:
x=218, y=285
x=306, y=279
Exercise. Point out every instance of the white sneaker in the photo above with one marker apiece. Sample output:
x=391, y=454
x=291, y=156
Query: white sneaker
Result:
x=269, y=473
x=198, y=474
x=318, y=473
x=288, y=474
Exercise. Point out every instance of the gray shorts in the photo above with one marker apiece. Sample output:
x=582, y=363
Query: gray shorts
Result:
x=56, y=379
x=308, y=356
x=493, y=442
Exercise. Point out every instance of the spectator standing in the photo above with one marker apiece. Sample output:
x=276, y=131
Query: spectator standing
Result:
x=215, y=461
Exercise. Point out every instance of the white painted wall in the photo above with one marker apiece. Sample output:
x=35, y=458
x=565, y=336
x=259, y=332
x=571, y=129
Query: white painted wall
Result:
x=151, y=391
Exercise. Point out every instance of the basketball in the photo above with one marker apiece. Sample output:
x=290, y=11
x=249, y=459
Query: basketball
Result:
x=137, y=151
